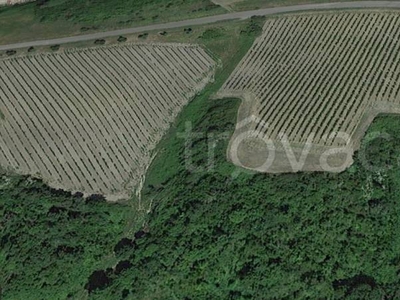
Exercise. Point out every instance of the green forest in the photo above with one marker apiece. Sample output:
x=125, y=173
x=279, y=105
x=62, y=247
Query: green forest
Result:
x=213, y=236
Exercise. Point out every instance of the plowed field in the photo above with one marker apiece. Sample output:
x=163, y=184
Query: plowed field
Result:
x=88, y=120
x=316, y=80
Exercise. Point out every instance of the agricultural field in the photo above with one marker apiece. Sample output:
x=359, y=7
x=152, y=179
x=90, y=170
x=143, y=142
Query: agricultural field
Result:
x=314, y=82
x=87, y=120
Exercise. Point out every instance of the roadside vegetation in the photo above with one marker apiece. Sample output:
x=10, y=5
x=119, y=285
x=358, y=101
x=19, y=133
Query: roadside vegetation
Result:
x=48, y=19
x=57, y=18
x=241, y=5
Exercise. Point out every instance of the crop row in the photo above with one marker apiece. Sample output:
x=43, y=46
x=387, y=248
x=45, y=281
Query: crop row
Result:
x=313, y=75
x=87, y=120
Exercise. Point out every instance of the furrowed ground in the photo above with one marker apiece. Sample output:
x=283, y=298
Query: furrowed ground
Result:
x=318, y=79
x=87, y=120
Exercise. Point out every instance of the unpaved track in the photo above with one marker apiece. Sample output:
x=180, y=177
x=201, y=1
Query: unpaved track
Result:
x=207, y=20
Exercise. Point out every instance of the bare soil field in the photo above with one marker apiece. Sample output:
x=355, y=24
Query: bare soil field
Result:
x=87, y=120
x=313, y=83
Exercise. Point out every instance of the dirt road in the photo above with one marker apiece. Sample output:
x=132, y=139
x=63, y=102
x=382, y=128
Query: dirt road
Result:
x=207, y=20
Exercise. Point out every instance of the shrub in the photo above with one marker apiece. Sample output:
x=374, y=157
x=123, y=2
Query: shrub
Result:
x=11, y=52
x=55, y=47
x=121, y=39
x=99, y=42
x=254, y=27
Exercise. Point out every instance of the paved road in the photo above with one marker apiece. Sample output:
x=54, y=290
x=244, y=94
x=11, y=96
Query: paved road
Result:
x=207, y=20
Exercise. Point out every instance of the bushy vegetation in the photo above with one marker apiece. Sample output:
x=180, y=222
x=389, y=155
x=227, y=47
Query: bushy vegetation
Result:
x=254, y=27
x=214, y=236
x=51, y=241
x=257, y=236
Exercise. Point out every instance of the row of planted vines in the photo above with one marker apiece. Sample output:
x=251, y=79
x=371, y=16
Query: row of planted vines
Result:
x=87, y=120
x=319, y=75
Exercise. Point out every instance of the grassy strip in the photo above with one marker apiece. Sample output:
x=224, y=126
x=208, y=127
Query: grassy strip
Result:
x=257, y=4
x=46, y=19
x=229, y=44
x=57, y=18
